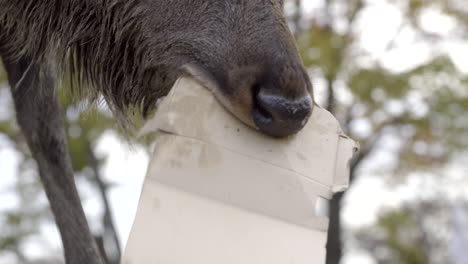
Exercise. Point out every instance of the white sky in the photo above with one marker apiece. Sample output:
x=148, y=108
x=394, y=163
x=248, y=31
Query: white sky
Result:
x=127, y=166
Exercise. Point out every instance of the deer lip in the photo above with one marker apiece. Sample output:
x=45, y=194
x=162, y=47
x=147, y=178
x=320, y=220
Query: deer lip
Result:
x=208, y=81
x=201, y=76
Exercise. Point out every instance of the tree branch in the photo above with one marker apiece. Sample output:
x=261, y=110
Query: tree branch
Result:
x=108, y=223
x=331, y=100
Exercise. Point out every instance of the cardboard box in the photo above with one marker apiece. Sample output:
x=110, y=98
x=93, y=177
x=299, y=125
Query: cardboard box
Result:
x=217, y=191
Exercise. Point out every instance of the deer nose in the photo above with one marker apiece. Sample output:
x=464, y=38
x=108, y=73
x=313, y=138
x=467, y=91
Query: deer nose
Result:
x=279, y=116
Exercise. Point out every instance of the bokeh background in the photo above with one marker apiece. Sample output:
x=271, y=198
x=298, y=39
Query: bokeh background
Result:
x=393, y=72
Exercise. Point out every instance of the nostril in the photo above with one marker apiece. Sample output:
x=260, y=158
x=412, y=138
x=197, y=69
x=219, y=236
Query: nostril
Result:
x=264, y=113
x=282, y=109
x=259, y=107
x=278, y=116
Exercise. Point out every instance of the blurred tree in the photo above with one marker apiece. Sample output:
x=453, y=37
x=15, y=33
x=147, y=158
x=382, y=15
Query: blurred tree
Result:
x=83, y=130
x=420, y=109
x=421, y=232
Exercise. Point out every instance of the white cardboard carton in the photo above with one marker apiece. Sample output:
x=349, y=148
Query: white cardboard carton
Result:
x=219, y=192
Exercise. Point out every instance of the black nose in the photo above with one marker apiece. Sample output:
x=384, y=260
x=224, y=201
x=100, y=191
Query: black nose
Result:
x=278, y=116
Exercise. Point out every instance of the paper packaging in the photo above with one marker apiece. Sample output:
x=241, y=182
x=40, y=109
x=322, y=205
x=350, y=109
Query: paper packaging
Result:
x=217, y=191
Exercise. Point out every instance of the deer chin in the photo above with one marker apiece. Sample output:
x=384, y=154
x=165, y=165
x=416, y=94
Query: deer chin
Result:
x=241, y=110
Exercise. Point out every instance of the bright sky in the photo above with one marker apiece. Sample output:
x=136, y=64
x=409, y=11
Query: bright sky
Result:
x=127, y=166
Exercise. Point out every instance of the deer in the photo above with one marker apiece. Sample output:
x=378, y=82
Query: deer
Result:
x=131, y=52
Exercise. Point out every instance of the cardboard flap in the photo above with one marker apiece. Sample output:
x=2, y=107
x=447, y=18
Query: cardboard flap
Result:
x=344, y=153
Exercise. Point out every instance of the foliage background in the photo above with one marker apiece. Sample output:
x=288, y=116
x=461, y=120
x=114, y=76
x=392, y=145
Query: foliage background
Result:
x=393, y=72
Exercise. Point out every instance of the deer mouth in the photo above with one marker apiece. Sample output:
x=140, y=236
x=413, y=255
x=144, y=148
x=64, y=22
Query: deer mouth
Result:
x=239, y=107
x=255, y=104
